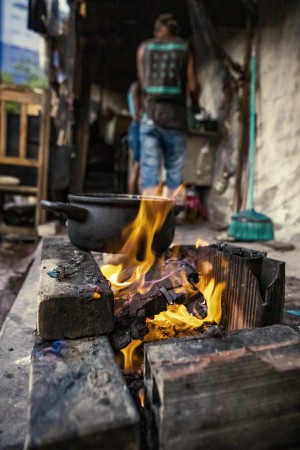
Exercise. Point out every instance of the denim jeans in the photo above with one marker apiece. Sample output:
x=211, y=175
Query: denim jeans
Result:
x=133, y=136
x=158, y=142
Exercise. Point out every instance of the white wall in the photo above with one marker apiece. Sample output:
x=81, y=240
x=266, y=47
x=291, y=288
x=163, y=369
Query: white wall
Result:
x=278, y=109
x=277, y=179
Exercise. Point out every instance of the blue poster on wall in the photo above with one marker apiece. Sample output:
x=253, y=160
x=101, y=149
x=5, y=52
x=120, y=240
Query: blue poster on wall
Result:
x=21, y=50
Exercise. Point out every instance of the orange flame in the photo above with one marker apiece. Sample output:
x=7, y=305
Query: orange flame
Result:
x=134, y=266
x=129, y=353
x=178, y=318
x=142, y=397
x=201, y=243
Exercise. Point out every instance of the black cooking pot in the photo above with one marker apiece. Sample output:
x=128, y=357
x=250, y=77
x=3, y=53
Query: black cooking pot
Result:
x=96, y=221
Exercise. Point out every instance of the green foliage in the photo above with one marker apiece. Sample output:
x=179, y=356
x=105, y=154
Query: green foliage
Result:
x=5, y=77
x=13, y=107
x=29, y=68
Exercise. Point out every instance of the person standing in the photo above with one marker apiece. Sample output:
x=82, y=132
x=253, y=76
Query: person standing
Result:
x=166, y=72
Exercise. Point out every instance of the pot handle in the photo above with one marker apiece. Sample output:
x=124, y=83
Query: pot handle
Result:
x=65, y=210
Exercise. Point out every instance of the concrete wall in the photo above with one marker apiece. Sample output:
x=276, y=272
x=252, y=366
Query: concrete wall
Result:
x=277, y=178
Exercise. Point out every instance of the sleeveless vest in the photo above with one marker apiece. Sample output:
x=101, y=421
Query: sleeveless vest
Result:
x=164, y=82
x=165, y=67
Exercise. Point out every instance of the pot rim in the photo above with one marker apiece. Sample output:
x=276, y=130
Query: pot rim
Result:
x=110, y=199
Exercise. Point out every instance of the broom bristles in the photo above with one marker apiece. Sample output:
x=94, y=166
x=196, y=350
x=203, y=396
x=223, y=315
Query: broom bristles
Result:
x=250, y=225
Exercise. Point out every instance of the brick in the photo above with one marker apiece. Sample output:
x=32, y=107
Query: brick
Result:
x=79, y=398
x=75, y=299
x=242, y=391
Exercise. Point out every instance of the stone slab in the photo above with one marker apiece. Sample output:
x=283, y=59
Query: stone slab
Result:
x=75, y=299
x=79, y=399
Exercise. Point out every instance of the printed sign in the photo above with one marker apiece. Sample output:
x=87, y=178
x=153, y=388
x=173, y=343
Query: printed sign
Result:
x=20, y=49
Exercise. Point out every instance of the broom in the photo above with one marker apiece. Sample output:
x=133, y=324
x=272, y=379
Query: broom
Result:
x=249, y=225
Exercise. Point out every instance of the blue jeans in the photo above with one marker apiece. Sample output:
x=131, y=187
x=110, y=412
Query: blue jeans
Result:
x=133, y=136
x=156, y=142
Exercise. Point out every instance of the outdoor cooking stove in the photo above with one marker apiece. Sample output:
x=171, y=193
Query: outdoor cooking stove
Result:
x=82, y=377
x=250, y=287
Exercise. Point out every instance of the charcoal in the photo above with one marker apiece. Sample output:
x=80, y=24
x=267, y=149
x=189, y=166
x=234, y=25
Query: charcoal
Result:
x=120, y=339
x=197, y=306
x=133, y=309
x=214, y=330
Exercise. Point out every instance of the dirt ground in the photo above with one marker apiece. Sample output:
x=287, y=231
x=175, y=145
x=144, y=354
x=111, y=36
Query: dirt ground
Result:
x=15, y=260
x=16, y=257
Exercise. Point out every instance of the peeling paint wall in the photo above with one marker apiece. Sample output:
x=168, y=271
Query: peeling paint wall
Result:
x=277, y=175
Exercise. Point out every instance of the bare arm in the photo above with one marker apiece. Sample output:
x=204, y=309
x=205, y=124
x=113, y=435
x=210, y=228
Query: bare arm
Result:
x=136, y=98
x=193, y=83
x=139, y=62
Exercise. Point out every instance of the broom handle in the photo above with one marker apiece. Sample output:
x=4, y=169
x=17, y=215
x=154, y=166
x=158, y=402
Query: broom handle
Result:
x=252, y=129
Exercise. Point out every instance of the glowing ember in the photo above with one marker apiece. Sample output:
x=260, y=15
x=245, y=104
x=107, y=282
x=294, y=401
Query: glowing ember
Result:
x=129, y=354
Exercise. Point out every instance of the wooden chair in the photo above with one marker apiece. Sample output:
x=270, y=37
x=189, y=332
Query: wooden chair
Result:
x=29, y=101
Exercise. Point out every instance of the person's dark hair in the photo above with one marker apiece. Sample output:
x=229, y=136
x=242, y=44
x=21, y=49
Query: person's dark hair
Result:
x=169, y=21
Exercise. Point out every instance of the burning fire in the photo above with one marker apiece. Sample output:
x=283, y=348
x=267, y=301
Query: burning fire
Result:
x=140, y=233
x=128, y=275
x=142, y=397
x=201, y=243
x=129, y=354
x=177, y=318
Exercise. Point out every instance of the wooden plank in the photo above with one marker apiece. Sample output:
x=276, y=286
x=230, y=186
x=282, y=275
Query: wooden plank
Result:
x=43, y=158
x=23, y=132
x=79, y=399
x=75, y=299
x=20, y=94
x=10, y=160
x=3, y=124
x=22, y=231
x=20, y=189
x=225, y=392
